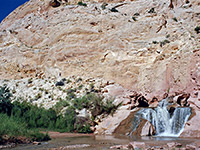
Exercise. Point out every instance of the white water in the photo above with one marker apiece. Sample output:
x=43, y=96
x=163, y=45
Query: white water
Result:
x=165, y=124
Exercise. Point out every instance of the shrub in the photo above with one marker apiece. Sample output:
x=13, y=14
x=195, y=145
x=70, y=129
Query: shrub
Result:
x=103, y=6
x=134, y=18
x=175, y=19
x=5, y=104
x=35, y=117
x=66, y=123
x=82, y=4
x=114, y=9
x=60, y=105
x=155, y=42
x=30, y=80
x=60, y=83
x=162, y=43
x=109, y=107
x=136, y=14
x=80, y=103
x=197, y=29
x=37, y=136
x=95, y=103
x=83, y=128
x=12, y=127
x=152, y=10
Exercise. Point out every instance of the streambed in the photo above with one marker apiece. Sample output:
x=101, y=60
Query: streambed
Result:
x=101, y=142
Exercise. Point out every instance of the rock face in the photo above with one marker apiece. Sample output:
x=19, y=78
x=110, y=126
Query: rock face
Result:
x=144, y=46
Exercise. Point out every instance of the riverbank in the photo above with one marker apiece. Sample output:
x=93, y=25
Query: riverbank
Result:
x=54, y=135
x=98, y=142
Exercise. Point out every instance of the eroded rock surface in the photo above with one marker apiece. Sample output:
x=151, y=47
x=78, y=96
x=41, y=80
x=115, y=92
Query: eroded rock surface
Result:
x=145, y=46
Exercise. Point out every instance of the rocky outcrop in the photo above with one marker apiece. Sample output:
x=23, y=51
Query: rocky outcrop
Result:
x=149, y=49
x=77, y=40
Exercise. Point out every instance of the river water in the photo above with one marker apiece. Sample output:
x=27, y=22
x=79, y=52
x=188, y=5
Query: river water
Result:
x=100, y=142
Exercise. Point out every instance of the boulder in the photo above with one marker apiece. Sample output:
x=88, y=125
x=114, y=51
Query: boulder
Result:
x=174, y=145
x=148, y=129
x=190, y=129
x=191, y=147
x=145, y=128
x=136, y=145
x=115, y=123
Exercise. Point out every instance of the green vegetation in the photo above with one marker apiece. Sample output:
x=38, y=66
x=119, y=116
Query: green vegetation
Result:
x=21, y=118
x=134, y=18
x=30, y=80
x=11, y=125
x=152, y=10
x=13, y=128
x=96, y=104
x=162, y=43
x=175, y=19
x=103, y=6
x=60, y=105
x=114, y=9
x=82, y=4
x=197, y=29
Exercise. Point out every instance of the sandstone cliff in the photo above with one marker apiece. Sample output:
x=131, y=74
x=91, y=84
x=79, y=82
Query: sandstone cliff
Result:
x=143, y=45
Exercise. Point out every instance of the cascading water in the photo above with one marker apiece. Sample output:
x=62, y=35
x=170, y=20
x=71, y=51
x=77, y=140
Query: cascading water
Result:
x=165, y=123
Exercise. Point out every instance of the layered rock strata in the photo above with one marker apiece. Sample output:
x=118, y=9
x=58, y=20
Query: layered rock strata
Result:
x=147, y=47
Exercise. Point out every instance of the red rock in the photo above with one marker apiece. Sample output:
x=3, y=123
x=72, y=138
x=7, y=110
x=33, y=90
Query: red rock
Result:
x=173, y=145
x=148, y=129
x=191, y=147
x=135, y=145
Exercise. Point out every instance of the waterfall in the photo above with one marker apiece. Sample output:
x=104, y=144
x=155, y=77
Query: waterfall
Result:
x=165, y=122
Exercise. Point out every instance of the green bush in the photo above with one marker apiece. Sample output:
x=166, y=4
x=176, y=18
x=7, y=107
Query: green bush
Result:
x=82, y=4
x=60, y=105
x=80, y=103
x=197, y=29
x=66, y=123
x=12, y=127
x=35, y=117
x=83, y=128
x=37, y=136
x=5, y=104
x=95, y=103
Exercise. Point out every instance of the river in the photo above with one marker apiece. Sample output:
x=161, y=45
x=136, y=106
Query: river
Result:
x=99, y=142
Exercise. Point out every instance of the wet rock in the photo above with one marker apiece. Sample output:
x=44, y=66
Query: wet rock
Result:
x=171, y=110
x=145, y=128
x=148, y=129
x=154, y=102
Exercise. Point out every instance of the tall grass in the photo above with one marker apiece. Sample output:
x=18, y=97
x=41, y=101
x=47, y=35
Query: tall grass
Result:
x=11, y=127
